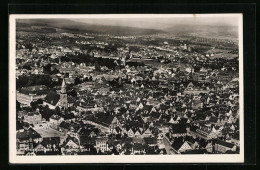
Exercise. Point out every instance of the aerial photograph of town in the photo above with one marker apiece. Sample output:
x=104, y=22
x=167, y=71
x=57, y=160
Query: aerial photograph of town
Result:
x=127, y=86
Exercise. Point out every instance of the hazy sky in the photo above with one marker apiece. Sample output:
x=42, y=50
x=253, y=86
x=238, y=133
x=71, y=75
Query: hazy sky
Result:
x=162, y=23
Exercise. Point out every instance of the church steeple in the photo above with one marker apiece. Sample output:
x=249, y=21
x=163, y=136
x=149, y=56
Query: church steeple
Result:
x=63, y=95
x=63, y=86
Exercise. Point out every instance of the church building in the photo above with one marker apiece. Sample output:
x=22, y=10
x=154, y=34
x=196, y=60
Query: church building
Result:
x=54, y=99
x=63, y=96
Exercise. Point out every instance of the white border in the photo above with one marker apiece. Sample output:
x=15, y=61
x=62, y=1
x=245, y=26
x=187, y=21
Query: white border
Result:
x=208, y=158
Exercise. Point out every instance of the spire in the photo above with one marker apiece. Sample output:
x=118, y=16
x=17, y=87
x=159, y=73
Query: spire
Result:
x=63, y=86
x=63, y=83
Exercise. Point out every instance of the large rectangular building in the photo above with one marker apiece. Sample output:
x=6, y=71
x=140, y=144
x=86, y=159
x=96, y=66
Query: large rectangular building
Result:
x=32, y=93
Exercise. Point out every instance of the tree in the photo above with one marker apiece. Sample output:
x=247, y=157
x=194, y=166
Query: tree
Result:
x=34, y=104
x=76, y=81
x=57, y=110
x=72, y=93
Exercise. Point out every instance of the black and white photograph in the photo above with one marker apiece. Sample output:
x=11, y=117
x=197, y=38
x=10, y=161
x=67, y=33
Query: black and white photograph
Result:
x=126, y=88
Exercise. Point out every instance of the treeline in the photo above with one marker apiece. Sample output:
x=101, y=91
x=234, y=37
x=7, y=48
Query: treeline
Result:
x=32, y=80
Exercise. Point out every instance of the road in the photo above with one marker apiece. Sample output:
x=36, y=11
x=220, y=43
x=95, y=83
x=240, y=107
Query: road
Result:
x=168, y=146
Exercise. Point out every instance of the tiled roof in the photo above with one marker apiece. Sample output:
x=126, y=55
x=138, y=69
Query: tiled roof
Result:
x=177, y=144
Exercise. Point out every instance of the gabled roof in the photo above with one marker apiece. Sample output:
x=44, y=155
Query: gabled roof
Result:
x=75, y=140
x=177, y=144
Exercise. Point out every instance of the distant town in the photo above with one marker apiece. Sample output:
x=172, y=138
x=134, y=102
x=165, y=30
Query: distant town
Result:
x=96, y=93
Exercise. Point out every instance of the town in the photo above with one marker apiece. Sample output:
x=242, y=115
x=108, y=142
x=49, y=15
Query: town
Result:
x=88, y=93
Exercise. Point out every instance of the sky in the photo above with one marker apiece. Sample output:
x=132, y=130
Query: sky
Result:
x=160, y=22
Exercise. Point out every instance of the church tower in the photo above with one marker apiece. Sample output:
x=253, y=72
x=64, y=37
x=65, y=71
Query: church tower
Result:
x=63, y=95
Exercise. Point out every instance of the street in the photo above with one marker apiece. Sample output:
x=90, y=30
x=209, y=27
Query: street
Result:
x=168, y=147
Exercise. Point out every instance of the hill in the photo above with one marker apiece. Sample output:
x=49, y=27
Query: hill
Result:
x=73, y=26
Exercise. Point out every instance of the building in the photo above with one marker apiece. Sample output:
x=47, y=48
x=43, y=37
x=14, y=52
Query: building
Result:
x=63, y=96
x=203, y=132
x=26, y=138
x=101, y=144
x=55, y=121
x=33, y=118
x=70, y=145
x=54, y=99
x=26, y=95
x=223, y=147
x=179, y=145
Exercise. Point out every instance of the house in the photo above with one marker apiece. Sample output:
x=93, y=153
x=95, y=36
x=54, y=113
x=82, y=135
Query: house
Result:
x=70, y=144
x=115, y=144
x=206, y=145
x=130, y=133
x=101, y=144
x=160, y=139
x=174, y=120
x=50, y=144
x=180, y=145
x=138, y=148
x=106, y=122
x=150, y=141
x=190, y=86
x=204, y=133
x=55, y=121
x=40, y=148
x=33, y=118
x=163, y=127
x=192, y=142
x=25, y=139
x=178, y=130
x=87, y=144
x=26, y=95
x=223, y=147
x=138, y=133
x=147, y=133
